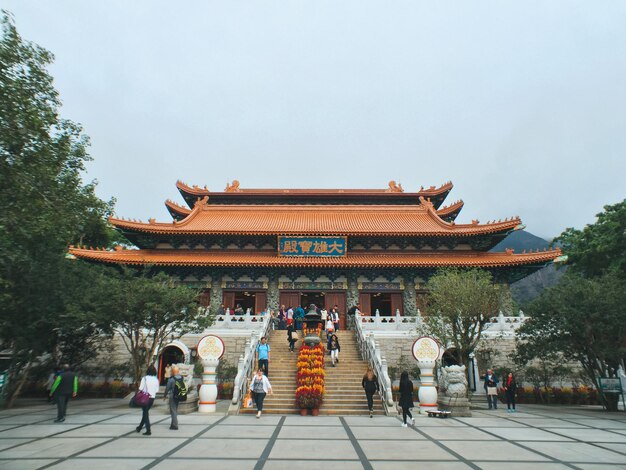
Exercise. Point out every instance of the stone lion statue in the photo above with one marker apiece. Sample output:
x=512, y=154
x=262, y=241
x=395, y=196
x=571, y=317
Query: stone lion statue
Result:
x=453, y=381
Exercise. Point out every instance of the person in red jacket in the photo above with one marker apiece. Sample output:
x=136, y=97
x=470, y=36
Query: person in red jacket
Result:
x=510, y=387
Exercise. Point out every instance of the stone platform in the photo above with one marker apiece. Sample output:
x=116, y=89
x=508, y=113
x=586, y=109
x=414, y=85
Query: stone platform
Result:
x=100, y=434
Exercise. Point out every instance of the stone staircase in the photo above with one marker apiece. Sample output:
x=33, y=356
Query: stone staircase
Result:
x=344, y=393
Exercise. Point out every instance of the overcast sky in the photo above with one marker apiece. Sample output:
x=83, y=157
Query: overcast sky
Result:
x=521, y=104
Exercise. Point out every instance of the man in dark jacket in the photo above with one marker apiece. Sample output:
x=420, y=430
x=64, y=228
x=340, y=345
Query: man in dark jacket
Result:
x=64, y=386
x=170, y=391
x=491, y=389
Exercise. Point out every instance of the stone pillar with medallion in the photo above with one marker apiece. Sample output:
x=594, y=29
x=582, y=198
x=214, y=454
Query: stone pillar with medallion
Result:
x=427, y=351
x=210, y=350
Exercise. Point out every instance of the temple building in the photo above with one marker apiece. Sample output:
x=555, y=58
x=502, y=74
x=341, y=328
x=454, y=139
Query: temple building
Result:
x=269, y=247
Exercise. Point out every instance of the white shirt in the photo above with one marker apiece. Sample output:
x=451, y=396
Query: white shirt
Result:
x=266, y=383
x=324, y=314
x=150, y=385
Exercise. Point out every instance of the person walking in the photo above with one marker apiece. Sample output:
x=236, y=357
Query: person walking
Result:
x=263, y=356
x=334, y=349
x=292, y=337
x=150, y=385
x=491, y=389
x=510, y=388
x=406, y=398
x=65, y=386
x=259, y=387
x=171, y=391
x=370, y=385
x=334, y=315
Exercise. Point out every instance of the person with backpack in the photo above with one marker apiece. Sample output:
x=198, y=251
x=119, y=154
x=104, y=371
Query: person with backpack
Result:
x=176, y=390
x=263, y=356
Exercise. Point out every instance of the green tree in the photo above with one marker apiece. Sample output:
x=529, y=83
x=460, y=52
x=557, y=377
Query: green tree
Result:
x=583, y=320
x=459, y=305
x=599, y=248
x=45, y=205
x=145, y=311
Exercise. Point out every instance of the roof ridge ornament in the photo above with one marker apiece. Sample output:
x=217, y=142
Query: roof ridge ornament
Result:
x=233, y=187
x=394, y=187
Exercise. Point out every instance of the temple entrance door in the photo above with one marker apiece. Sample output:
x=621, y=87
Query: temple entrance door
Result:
x=364, y=302
x=338, y=299
x=317, y=298
x=170, y=355
x=289, y=299
x=381, y=302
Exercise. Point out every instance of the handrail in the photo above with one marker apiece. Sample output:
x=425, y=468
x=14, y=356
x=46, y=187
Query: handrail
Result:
x=244, y=367
x=371, y=352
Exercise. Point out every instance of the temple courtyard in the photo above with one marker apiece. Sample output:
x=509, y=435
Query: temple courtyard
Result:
x=101, y=434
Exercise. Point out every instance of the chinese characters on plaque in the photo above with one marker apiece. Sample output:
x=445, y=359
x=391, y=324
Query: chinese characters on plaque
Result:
x=312, y=246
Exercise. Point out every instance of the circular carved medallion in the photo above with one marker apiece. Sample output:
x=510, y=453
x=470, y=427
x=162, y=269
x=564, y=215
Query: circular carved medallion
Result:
x=211, y=347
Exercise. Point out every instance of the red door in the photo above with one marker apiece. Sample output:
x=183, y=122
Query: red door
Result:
x=289, y=299
x=339, y=299
x=364, y=301
x=229, y=301
x=396, y=304
x=260, y=302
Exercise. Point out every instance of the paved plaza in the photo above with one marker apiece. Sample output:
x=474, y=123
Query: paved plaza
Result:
x=100, y=434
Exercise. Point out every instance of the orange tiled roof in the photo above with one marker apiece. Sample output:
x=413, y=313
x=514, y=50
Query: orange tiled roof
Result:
x=240, y=258
x=442, y=211
x=196, y=190
x=374, y=220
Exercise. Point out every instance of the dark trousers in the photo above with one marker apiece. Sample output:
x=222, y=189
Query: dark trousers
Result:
x=370, y=400
x=145, y=417
x=265, y=365
x=258, y=399
x=510, y=399
x=174, y=412
x=292, y=343
x=406, y=412
x=336, y=326
x=62, y=399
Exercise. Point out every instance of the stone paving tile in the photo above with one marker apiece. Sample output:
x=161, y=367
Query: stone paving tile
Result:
x=302, y=449
x=99, y=430
x=222, y=449
x=24, y=464
x=239, y=432
x=207, y=464
x=86, y=418
x=309, y=464
x=310, y=421
x=493, y=450
x=6, y=443
x=48, y=448
x=149, y=446
x=39, y=430
x=8, y=426
x=372, y=432
x=577, y=452
x=27, y=419
x=490, y=422
x=251, y=420
x=204, y=420
x=616, y=447
x=404, y=450
x=599, y=466
x=521, y=466
x=386, y=465
x=438, y=423
x=136, y=418
x=317, y=432
x=525, y=434
x=603, y=423
x=546, y=423
x=591, y=435
x=163, y=430
x=102, y=464
x=367, y=421
x=468, y=434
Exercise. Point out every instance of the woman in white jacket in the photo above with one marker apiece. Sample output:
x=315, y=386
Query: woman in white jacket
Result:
x=260, y=386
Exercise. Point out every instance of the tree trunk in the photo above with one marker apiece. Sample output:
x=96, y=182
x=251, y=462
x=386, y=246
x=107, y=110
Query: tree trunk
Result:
x=20, y=384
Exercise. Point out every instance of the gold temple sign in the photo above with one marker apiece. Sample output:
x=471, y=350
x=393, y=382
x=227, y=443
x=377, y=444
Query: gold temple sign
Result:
x=312, y=246
x=426, y=348
x=211, y=347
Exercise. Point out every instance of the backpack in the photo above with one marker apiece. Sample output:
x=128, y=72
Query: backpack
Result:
x=180, y=390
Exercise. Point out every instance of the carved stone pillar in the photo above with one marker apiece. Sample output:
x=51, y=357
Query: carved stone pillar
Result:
x=273, y=295
x=216, y=293
x=409, y=297
x=352, y=294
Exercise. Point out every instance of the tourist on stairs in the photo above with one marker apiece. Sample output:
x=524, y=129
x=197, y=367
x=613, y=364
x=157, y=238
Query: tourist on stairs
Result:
x=334, y=349
x=260, y=386
x=263, y=356
x=292, y=336
x=406, y=398
x=370, y=385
